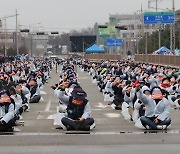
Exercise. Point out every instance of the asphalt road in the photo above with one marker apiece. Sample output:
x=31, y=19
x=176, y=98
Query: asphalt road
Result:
x=112, y=134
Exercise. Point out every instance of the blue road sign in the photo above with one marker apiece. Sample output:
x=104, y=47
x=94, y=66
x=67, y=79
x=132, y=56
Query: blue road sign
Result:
x=114, y=42
x=159, y=18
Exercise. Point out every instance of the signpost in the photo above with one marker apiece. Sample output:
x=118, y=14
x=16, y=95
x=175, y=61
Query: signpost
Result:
x=159, y=18
x=114, y=42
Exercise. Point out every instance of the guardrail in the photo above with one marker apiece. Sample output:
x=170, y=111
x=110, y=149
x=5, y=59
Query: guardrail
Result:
x=99, y=57
x=169, y=60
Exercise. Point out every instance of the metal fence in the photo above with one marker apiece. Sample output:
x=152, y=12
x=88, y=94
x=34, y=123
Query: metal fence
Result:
x=98, y=57
x=169, y=60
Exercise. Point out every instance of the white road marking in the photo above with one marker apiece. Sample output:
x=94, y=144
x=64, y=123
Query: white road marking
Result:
x=113, y=115
x=40, y=117
x=50, y=117
x=101, y=105
x=48, y=106
x=42, y=99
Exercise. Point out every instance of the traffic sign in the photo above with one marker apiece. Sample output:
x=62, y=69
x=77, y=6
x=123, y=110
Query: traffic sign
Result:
x=159, y=18
x=114, y=42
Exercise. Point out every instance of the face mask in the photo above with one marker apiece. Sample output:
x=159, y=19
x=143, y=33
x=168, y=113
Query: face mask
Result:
x=77, y=101
x=5, y=99
x=157, y=96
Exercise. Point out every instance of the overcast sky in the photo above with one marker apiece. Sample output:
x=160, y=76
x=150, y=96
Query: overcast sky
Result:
x=67, y=14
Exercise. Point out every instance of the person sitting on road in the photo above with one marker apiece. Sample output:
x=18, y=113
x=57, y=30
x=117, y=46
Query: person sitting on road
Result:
x=78, y=114
x=157, y=114
x=130, y=98
x=7, y=120
x=139, y=107
x=117, y=86
x=34, y=90
x=25, y=94
x=18, y=102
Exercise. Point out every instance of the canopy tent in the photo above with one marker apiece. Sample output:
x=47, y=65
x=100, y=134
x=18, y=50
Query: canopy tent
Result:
x=177, y=52
x=94, y=49
x=18, y=55
x=162, y=50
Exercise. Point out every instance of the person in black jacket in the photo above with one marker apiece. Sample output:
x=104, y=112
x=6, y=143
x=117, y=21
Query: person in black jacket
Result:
x=117, y=86
x=34, y=90
x=78, y=115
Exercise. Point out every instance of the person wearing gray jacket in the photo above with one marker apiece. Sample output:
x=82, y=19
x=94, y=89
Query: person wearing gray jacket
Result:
x=78, y=114
x=157, y=114
x=6, y=112
x=155, y=80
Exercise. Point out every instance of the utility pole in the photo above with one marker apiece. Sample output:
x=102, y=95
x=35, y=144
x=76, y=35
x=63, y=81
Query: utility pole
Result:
x=159, y=36
x=83, y=46
x=156, y=5
x=5, y=31
x=143, y=30
x=159, y=26
x=17, y=40
x=5, y=38
x=174, y=29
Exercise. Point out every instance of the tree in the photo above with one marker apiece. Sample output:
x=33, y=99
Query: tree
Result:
x=23, y=50
x=153, y=41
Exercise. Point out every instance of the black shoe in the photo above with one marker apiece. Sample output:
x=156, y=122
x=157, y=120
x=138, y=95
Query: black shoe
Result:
x=68, y=127
x=86, y=128
x=11, y=129
x=110, y=103
x=25, y=107
x=118, y=108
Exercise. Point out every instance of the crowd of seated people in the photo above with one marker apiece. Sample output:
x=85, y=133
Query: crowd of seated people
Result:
x=73, y=102
x=20, y=83
x=143, y=92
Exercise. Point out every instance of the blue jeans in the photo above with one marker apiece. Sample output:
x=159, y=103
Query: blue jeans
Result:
x=149, y=121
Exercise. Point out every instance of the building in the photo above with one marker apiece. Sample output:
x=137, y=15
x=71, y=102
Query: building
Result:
x=135, y=29
x=177, y=17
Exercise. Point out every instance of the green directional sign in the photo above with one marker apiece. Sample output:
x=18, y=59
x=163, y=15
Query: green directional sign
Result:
x=110, y=30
